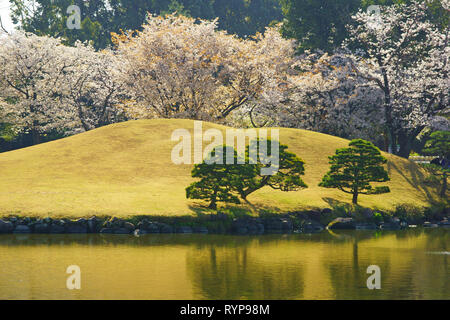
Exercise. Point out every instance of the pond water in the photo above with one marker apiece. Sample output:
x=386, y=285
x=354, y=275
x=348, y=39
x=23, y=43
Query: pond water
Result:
x=414, y=264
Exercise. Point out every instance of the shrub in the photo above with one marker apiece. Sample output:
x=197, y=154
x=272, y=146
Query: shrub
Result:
x=410, y=213
x=436, y=212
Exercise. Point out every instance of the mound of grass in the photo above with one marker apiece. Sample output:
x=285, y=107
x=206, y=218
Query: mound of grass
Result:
x=126, y=169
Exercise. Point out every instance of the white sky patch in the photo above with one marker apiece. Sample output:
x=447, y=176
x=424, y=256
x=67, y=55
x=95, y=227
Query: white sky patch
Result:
x=4, y=14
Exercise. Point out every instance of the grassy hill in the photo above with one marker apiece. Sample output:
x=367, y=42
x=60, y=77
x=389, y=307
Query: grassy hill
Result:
x=126, y=169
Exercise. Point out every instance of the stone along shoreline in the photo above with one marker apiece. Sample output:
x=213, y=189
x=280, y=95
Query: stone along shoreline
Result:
x=217, y=224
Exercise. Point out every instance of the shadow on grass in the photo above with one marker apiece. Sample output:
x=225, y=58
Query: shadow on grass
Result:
x=416, y=179
x=333, y=203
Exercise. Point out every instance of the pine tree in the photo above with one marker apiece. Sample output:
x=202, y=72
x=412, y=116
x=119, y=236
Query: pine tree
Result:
x=439, y=145
x=352, y=169
x=226, y=182
x=286, y=175
x=216, y=179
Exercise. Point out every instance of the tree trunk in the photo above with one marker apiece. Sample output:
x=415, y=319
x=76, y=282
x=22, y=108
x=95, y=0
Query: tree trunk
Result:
x=252, y=206
x=245, y=199
x=355, y=197
x=85, y=125
x=213, y=204
x=387, y=109
x=405, y=143
x=35, y=136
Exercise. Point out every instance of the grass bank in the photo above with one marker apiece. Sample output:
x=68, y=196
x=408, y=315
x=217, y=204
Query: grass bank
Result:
x=125, y=170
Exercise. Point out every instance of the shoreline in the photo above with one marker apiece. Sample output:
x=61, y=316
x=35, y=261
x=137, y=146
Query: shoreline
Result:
x=298, y=222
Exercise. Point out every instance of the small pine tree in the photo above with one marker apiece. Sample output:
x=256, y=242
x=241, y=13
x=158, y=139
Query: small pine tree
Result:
x=286, y=177
x=225, y=182
x=352, y=169
x=439, y=145
x=216, y=180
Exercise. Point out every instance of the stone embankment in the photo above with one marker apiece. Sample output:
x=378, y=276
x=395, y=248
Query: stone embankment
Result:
x=306, y=222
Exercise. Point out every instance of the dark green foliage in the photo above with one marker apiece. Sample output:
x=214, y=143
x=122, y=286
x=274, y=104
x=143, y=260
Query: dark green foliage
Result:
x=321, y=24
x=318, y=24
x=246, y=17
x=6, y=132
x=441, y=173
x=410, y=213
x=288, y=173
x=352, y=170
x=216, y=180
x=101, y=17
x=225, y=182
x=438, y=144
x=49, y=17
x=436, y=212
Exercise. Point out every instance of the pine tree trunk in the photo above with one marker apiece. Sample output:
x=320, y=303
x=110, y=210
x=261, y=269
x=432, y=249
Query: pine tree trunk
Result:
x=245, y=199
x=252, y=207
x=355, y=198
x=390, y=133
x=213, y=204
x=405, y=147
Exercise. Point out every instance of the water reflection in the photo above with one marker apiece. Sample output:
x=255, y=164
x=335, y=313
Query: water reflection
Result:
x=329, y=265
x=220, y=273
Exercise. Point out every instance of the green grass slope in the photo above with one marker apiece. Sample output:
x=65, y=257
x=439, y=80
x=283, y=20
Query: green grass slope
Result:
x=126, y=169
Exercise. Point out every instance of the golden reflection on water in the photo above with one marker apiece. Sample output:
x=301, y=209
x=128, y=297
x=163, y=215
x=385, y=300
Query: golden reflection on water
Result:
x=414, y=265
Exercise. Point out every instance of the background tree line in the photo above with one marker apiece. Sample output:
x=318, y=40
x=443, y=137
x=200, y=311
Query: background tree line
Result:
x=322, y=24
x=101, y=17
x=317, y=24
x=333, y=72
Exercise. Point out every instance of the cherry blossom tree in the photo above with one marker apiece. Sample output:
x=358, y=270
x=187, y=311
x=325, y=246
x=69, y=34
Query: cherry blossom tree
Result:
x=98, y=91
x=330, y=97
x=406, y=57
x=46, y=86
x=182, y=67
x=388, y=83
x=321, y=92
x=33, y=85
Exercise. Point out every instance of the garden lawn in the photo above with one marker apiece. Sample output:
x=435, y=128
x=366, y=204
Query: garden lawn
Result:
x=126, y=169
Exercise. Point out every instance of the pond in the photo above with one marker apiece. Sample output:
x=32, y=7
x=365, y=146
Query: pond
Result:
x=414, y=264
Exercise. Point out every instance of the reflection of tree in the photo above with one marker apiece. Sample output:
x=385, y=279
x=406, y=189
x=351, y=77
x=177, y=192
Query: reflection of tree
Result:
x=437, y=238
x=436, y=262
x=241, y=272
x=346, y=271
x=413, y=262
x=407, y=271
